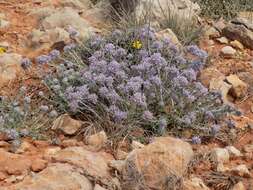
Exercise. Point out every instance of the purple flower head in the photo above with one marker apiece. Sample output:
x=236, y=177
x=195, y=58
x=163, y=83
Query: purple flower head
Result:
x=231, y=124
x=43, y=59
x=147, y=33
x=180, y=59
x=120, y=52
x=26, y=63
x=109, y=48
x=116, y=34
x=215, y=129
x=209, y=115
x=201, y=90
x=157, y=58
x=96, y=41
x=12, y=134
x=157, y=45
x=181, y=81
x=196, y=140
x=73, y=33
x=194, y=50
x=190, y=74
x=147, y=115
x=118, y=115
x=54, y=54
x=93, y=98
x=139, y=99
x=27, y=100
x=69, y=47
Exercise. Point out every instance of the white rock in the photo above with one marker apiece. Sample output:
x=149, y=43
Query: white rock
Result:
x=228, y=51
x=98, y=187
x=241, y=170
x=233, y=152
x=4, y=23
x=168, y=33
x=239, y=186
x=222, y=40
x=97, y=140
x=137, y=145
x=220, y=155
x=239, y=88
x=194, y=184
x=248, y=148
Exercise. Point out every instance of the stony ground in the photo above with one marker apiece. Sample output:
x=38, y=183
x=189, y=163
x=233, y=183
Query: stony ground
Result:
x=91, y=163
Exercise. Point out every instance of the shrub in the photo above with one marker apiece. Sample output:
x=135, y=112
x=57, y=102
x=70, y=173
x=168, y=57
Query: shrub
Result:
x=19, y=117
x=132, y=79
x=224, y=8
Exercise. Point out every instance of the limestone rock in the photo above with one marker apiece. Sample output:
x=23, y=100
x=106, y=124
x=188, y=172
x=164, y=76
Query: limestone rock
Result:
x=183, y=9
x=239, y=88
x=194, y=184
x=137, y=145
x=239, y=186
x=210, y=73
x=67, y=125
x=10, y=67
x=233, y=152
x=248, y=148
x=228, y=51
x=56, y=177
x=155, y=161
x=241, y=170
x=98, y=187
x=38, y=165
x=94, y=164
x=222, y=40
x=237, y=45
x=220, y=155
x=239, y=32
x=97, y=140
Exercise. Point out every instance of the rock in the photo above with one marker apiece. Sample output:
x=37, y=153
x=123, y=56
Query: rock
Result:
x=237, y=45
x=155, y=161
x=221, y=168
x=56, y=177
x=98, y=187
x=121, y=155
x=208, y=74
x=5, y=45
x=14, y=164
x=42, y=12
x=3, y=176
x=137, y=145
x=94, y=164
x=183, y=9
x=4, y=144
x=239, y=186
x=49, y=152
x=240, y=33
x=98, y=140
x=4, y=23
x=228, y=51
x=117, y=165
x=241, y=170
x=247, y=77
x=220, y=155
x=194, y=184
x=239, y=88
x=83, y=5
x=248, y=148
x=67, y=125
x=70, y=142
x=233, y=152
x=168, y=33
x=38, y=165
x=211, y=32
x=10, y=67
x=218, y=84
x=24, y=147
x=66, y=17
x=222, y=40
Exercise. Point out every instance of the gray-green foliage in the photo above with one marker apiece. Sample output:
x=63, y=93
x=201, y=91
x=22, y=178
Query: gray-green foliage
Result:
x=224, y=8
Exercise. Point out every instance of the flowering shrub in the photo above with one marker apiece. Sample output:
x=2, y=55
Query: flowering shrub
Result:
x=19, y=118
x=134, y=79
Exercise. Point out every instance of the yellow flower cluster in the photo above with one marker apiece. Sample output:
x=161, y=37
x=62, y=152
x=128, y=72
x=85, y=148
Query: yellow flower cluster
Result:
x=137, y=44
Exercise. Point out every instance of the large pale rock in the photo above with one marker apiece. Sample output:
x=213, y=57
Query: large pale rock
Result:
x=233, y=152
x=239, y=32
x=241, y=170
x=10, y=67
x=94, y=164
x=220, y=155
x=65, y=18
x=228, y=51
x=239, y=186
x=55, y=177
x=194, y=184
x=182, y=9
x=239, y=88
x=156, y=161
x=67, y=125
x=77, y=4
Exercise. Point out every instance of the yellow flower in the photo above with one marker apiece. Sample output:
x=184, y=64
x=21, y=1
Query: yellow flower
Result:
x=137, y=44
x=2, y=50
